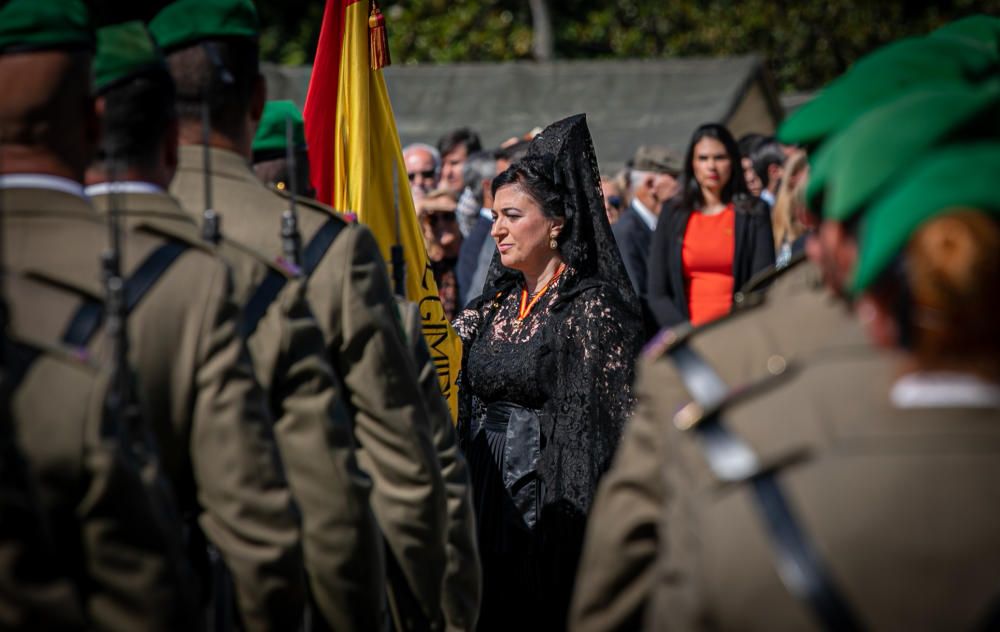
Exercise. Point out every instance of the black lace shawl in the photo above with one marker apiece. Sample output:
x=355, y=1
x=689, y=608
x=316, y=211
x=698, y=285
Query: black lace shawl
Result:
x=572, y=358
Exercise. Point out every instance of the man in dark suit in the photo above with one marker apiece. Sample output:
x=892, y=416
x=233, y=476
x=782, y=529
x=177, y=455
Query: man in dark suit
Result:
x=654, y=180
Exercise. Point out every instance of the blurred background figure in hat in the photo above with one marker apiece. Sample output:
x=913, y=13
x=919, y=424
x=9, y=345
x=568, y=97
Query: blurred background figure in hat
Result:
x=654, y=171
x=270, y=155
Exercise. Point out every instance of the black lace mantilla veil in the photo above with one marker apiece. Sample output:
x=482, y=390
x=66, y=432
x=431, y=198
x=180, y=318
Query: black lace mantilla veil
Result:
x=572, y=359
x=586, y=242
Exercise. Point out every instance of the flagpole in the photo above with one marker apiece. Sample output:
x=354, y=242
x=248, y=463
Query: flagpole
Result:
x=396, y=251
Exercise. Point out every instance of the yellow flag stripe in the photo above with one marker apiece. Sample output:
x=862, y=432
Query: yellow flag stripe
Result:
x=367, y=153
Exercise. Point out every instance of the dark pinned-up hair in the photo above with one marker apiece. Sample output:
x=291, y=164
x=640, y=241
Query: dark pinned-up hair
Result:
x=735, y=190
x=531, y=175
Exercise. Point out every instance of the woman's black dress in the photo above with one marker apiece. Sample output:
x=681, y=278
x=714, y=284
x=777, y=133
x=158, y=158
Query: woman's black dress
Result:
x=544, y=400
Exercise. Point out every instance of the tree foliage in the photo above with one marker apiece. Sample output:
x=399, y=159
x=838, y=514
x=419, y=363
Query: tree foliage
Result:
x=806, y=42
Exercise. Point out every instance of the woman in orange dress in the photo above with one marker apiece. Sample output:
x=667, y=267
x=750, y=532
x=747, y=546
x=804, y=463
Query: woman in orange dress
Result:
x=711, y=238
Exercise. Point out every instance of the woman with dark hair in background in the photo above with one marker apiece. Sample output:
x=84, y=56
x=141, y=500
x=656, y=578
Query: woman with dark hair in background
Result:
x=547, y=368
x=711, y=237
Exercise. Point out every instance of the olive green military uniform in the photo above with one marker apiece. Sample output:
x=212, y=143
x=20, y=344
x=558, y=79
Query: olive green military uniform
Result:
x=351, y=300
x=795, y=318
x=463, y=575
x=341, y=544
x=196, y=385
x=109, y=543
x=900, y=505
x=35, y=592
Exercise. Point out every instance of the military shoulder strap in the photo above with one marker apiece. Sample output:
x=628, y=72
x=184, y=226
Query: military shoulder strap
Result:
x=90, y=314
x=758, y=283
x=27, y=350
x=798, y=562
x=669, y=337
x=268, y=289
x=753, y=295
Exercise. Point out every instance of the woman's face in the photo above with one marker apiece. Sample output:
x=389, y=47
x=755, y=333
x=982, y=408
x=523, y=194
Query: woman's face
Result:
x=711, y=164
x=521, y=230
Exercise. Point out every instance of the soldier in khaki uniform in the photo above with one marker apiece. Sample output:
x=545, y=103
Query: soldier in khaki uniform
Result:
x=101, y=551
x=214, y=431
x=341, y=545
x=463, y=580
x=347, y=285
x=463, y=575
x=889, y=467
x=796, y=318
x=667, y=568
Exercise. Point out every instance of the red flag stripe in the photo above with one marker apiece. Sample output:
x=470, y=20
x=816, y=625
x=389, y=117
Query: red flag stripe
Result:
x=320, y=112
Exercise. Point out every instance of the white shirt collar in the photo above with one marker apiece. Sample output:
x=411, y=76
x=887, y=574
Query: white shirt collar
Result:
x=41, y=181
x=131, y=186
x=944, y=389
x=644, y=214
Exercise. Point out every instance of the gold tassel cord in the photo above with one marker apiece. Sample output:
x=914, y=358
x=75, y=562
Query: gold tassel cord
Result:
x=378, y=39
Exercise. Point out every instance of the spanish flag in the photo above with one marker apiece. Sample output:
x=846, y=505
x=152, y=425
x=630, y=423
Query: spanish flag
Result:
x=354, y=153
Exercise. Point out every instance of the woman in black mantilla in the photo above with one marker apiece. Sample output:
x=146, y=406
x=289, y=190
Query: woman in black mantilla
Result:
x=546, y=378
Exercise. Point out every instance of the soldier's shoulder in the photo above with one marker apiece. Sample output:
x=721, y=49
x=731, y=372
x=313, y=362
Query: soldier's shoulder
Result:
x=670, y=338
x=798, y=276
x=778, y=313
x=311, y=205
x=163, y=246
x=28, y=349
x=242, y=254
x=188, y=235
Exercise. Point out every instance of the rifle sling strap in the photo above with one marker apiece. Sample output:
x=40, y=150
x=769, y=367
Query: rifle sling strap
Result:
x=89, y=316
x=798, y=563
x=268, y=289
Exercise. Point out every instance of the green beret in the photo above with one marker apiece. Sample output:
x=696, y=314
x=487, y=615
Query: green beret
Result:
x=976, y=29
x=884, y=74
x=186, y=22
x=954, y=177
x=124, y=51
x=883, y=143
x=27, y=25
x=269, y=142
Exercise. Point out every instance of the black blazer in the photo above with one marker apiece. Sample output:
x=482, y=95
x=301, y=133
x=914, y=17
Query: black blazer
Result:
x=754, y=250
x=633, y=236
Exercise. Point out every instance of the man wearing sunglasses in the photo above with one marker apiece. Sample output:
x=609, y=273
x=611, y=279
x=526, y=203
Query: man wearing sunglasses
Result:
x=423, y=167
x=614, y=202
